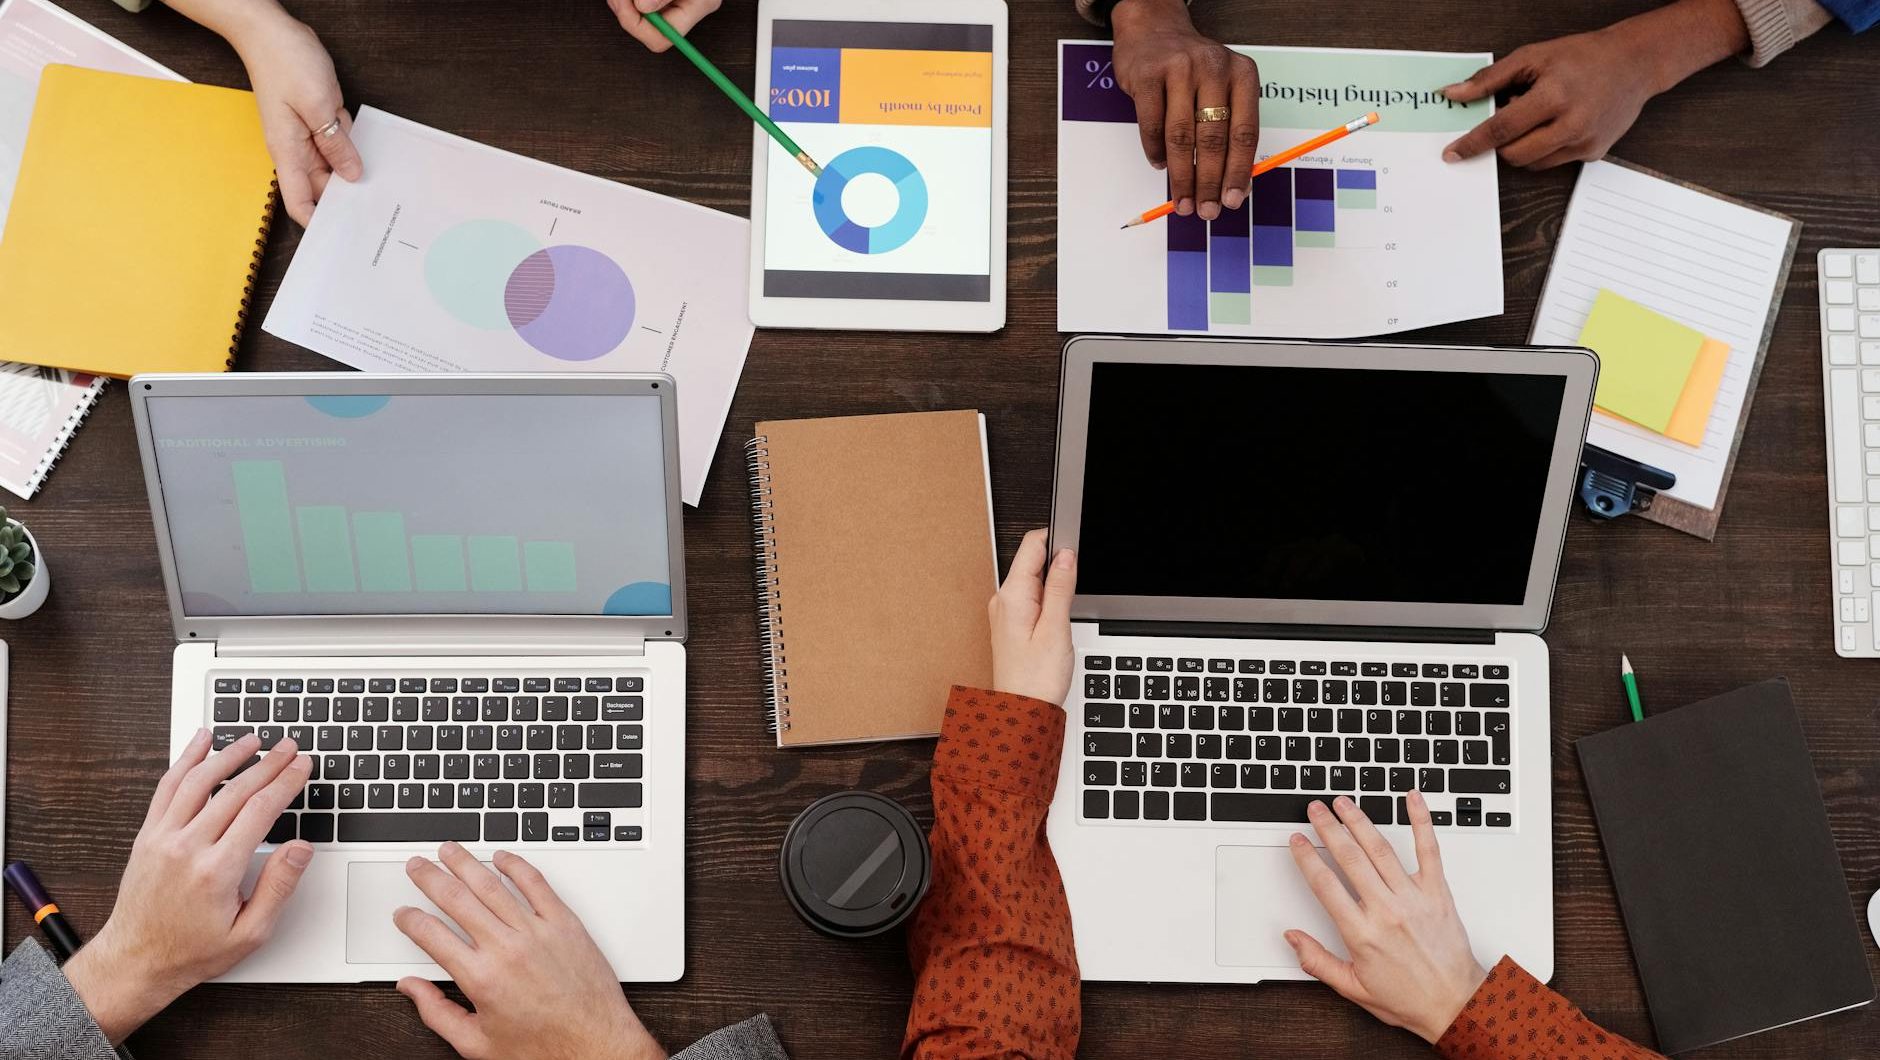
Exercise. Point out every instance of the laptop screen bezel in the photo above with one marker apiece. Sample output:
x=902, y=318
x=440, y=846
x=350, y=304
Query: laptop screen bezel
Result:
x=1577, y=367
x=418, y=628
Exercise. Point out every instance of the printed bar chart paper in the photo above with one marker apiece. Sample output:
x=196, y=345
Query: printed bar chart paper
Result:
x=1369, y=235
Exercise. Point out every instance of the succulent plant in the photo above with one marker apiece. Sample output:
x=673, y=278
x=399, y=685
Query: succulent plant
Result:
x=16, y=558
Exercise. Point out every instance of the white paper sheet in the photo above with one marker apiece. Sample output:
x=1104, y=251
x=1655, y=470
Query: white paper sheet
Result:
x=1423, y=247
x=452, y=256
x=1704, y=262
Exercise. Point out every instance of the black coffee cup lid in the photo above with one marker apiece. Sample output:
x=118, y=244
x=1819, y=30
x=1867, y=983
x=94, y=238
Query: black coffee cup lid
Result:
x=854, y=864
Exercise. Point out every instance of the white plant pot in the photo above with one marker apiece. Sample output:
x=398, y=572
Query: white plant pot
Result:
x=35, y=593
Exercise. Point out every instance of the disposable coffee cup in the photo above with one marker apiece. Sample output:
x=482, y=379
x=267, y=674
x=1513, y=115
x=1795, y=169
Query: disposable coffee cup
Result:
x=854, y=864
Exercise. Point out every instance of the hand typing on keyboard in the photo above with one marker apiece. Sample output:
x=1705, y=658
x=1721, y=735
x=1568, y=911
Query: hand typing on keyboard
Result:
x=542, y=989
x=180, y=918
x=1031, y=623
x=1410, y=964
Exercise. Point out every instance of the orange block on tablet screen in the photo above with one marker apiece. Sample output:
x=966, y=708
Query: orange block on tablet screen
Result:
x=1692, y=413
x=881, y=87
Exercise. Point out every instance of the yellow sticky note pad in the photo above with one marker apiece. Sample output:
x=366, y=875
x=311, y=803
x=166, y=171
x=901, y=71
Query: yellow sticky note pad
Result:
x=1692, y=415
x=1645, y=359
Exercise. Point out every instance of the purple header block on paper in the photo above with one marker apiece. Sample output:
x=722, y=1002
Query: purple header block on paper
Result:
x=1090, y=89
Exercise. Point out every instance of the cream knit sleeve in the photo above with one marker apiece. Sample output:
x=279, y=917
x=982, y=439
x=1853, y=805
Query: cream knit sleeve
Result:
x=1775, y=26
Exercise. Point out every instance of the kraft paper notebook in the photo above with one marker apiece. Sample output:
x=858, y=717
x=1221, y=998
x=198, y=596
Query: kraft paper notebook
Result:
x=1733, y=895
x=136, y=226
x=875, y=560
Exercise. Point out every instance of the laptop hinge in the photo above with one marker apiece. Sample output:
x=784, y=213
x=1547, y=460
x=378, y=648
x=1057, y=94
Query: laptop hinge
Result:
x=1262, y=631
x=369, y=645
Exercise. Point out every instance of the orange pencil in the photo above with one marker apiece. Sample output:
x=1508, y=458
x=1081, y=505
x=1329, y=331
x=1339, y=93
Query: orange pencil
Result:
x=1271, y=163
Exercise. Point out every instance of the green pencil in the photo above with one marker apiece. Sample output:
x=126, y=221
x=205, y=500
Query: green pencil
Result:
x=1631, y=687
x=724, y=85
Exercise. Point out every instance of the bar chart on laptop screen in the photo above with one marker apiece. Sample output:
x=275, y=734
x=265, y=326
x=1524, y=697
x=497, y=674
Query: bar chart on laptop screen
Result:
x=343, y=552
x=415, y=504
x=1371, y=234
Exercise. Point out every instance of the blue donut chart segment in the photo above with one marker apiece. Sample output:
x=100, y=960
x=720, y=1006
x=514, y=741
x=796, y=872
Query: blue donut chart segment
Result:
x=893, y=233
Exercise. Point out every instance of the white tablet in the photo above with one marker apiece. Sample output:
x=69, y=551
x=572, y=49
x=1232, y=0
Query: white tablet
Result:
x=903, y=105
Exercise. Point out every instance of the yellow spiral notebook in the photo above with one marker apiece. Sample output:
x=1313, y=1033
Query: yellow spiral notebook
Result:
x=136, y=227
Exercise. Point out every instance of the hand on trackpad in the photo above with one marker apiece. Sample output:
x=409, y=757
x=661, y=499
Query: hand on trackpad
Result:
x=373, y=890
x=1258, y=895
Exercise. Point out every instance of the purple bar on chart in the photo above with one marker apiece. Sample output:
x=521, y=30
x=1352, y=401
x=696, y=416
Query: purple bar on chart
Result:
x=1313, y=212
x=1187, y=273
x=1270, y=209
x=1090, y=92
x=1230, y=276
x=1357, y=189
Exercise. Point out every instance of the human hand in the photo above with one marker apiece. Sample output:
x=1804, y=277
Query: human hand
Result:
x=1580, y=94
x=1171, y=70
x=1410, y=963
x=541, y=987
x=1031, y=623
x=682, y=15
x=299, y=98
x=180, y=917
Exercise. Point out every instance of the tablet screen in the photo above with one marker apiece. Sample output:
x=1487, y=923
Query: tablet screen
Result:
x=900, y=117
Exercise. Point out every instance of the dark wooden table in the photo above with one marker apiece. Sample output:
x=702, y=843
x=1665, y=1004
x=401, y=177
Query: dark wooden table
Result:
x=558, y=81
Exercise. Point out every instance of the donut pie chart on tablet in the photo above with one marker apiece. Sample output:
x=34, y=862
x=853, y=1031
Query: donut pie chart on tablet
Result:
x=845, y=231
x=570, y=302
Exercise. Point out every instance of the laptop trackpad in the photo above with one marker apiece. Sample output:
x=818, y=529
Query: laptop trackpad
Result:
x=373, y=890
x=1258, y=895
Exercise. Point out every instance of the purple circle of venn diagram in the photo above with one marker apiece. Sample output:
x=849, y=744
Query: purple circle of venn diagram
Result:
x=571, y=302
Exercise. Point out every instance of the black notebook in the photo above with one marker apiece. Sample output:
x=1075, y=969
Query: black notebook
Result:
x=1733, y=895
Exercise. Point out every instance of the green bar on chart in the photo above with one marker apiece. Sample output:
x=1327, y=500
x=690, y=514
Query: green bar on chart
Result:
x=326, y=549
x=1272, y=276
x=267, y=526
x=1229, y=307
x=379, y=540
x=1357, y=198
x=551, y=566
x=437, y=562
x=1303, y=238
x=494, y=566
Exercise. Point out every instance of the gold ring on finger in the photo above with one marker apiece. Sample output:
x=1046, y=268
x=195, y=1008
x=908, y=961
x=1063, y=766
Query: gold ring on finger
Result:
x=1208, y=114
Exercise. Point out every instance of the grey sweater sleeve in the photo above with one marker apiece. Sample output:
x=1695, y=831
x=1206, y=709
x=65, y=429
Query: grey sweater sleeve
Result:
x=751, y=1040
x=40, y=1017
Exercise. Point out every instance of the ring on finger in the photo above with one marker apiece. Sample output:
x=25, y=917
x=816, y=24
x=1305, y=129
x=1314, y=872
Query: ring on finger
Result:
x=329, y=130
x=1211, y=114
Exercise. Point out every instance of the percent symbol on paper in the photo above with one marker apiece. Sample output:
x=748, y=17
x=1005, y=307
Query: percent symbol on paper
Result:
x=1100, y=75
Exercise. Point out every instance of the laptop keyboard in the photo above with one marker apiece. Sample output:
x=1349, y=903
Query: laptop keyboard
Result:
x=1254, y=741
x=420, y=759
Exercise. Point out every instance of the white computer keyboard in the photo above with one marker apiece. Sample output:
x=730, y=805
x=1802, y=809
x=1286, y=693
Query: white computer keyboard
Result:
x=1850, y=372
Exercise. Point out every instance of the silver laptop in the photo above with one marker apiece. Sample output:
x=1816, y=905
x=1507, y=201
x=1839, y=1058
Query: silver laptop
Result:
x=1305, y=571
x=464, y=597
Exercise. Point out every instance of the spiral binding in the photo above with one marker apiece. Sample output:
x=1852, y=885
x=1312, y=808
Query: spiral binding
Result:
x=254, y=271
x=62, y=438
x=769, y=593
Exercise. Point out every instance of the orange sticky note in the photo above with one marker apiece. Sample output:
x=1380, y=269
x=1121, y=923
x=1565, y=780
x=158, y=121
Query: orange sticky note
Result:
x=1692, y=414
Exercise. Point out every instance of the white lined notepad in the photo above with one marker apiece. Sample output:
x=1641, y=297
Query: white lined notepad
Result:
x=1706, y=262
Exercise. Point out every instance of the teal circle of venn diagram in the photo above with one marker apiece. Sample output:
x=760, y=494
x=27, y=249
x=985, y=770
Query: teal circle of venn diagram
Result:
x=568, y=301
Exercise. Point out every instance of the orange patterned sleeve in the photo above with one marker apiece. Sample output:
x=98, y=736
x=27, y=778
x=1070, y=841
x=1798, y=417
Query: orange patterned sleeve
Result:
x=1514, y=1016
x=995, y=970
